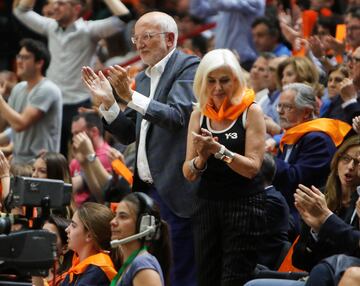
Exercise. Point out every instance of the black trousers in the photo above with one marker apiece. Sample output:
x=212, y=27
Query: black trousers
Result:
x=69, y=111
x=227, y=234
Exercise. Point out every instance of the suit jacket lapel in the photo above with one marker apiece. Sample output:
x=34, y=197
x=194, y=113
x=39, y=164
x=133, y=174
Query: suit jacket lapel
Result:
x=143, y=87
x=164, y=79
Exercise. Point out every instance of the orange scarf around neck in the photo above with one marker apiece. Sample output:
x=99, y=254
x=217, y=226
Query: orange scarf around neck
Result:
x=101, y=260
x=227, y=110
x=336, y=129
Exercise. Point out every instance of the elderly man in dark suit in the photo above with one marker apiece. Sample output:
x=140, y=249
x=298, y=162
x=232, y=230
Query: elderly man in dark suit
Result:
x=307, y=146
x=156, y=116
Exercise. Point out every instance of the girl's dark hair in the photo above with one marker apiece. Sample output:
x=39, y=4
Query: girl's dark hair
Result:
x=160, y=246
x=57, y=166
x=61, y=225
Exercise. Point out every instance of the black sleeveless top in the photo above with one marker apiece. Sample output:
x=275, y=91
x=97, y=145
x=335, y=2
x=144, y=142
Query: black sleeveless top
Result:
x=219, y=181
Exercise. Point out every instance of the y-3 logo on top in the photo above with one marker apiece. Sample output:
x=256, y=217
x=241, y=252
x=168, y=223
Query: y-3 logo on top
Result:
x=232, y=135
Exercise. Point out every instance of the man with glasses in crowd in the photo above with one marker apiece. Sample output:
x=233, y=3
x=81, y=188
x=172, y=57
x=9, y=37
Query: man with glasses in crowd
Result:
x=350, y=87
x=157, y=117
x=72, y=43
x=307, y=146
x=34, y=108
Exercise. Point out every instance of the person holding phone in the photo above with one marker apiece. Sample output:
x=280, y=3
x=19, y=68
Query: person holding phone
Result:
x=225, y=149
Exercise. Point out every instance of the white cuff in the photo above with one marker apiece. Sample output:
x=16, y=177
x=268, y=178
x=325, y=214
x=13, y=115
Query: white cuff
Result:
x=139, y=102
x=348, y=102
x=110, y=114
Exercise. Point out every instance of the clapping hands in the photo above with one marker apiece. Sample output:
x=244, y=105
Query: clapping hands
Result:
x=99, y=86
x=205, y=144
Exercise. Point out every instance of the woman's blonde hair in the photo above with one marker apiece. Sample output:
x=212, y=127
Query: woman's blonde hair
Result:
x=333, y=192
x=215, y=59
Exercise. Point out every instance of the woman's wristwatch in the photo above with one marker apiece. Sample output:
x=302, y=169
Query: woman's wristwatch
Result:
x=224, y=155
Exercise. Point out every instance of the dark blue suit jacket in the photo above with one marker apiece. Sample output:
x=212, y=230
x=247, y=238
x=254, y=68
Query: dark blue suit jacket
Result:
x=308, y=164
x=343, y=235
x=277, y=227
x=168, y=113
x=352, y=110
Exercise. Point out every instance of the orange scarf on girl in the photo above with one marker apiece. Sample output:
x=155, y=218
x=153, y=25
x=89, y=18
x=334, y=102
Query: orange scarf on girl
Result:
x=101, y=260
x=227, y=110
x=336, y=129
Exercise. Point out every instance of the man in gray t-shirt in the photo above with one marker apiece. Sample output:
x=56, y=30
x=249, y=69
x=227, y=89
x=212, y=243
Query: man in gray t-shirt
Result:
x=34, y=109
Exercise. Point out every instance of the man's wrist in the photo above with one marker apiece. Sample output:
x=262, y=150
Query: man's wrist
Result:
x=108, y=103
x=322, y=219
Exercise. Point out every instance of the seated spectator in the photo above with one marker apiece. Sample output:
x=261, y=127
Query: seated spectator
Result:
x=53, y=165
x=57, y=225
x=299, y=69
x=308, y=144
x=90, y=123
x=350, y=87
x=292, y=70
x=147, y=259
x=266, y=36
x=331, y=106
x=277, y=217
x=89, y=237
x=105, y=186
x=259, y=75
x=341, y=197
x=268, y=103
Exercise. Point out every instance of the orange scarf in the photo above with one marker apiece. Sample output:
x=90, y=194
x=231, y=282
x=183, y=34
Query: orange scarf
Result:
x=122, y=170
x=336, y=129
x=227, y=110
x=101, y=260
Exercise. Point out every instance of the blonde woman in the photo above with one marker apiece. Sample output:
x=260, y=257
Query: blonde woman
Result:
x=225, y=147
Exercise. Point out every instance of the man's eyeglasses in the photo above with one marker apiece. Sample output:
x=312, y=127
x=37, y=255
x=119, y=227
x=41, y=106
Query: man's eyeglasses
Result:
x=144, y=37
x=285, y=107
x=23, y=57
x=348, y=159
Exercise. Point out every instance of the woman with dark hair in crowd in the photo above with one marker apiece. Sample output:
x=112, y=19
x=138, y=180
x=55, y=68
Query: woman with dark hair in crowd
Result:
x=53, y=165
x=57, y=225
x=225, y=149
x=341, y=197
x=147, y=259
x=331, y=106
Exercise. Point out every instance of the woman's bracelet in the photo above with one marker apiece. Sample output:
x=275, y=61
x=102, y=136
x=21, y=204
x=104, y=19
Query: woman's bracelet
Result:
x=195, y=169
x=4, y=176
